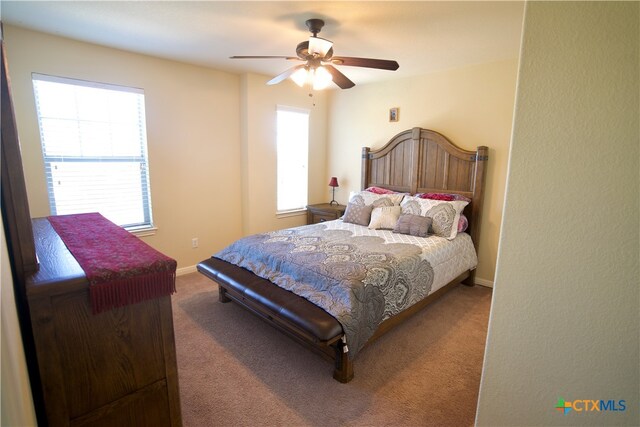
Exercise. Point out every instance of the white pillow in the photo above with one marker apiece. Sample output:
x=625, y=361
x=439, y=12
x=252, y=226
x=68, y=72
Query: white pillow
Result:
x=445, y=215
x=369, y=198
x=385, y=217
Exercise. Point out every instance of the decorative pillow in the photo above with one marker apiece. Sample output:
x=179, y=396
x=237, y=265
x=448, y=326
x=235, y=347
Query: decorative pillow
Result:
x=357, y=214
x=385, y=217
x=369, y=198
x=414, y=225
x=380, y=190
x=444, y=215
x=449, y=197
x=463, y=224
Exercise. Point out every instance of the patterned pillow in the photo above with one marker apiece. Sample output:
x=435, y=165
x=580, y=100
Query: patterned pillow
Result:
x=445, y=215
x=385, y=217
x=369, y=198
x=414, y=225
x=357, y=214
x=463, y=224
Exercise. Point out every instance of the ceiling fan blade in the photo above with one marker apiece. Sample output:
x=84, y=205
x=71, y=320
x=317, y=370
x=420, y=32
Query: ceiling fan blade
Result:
x=282, y=76
x=340, y=79
x=266, y=57
x=382, y=64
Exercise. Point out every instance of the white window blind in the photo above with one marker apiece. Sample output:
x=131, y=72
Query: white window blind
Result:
x=94, y=145
x=293, y=158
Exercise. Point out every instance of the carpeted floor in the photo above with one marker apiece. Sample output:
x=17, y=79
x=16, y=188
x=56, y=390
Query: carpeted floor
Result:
x=235, y=370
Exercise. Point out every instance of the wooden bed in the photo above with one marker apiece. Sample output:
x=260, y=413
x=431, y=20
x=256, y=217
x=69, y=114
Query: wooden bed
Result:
x=414, y=161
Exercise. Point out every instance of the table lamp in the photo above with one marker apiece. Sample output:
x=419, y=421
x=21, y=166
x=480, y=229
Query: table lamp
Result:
x=333, y=183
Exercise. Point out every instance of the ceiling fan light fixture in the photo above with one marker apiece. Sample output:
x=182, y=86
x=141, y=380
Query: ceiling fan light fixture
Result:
x=321, y=78
x=319, y=46
x=300, y=76
x=318, y=78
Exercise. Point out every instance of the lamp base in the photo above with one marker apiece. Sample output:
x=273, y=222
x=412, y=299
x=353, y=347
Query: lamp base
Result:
x=333, y=197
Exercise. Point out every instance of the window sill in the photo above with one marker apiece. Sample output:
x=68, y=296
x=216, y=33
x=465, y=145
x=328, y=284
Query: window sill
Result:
x=293, y=212
x=143, y=231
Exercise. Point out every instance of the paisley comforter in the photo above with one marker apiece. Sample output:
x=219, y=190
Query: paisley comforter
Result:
x=360, y=276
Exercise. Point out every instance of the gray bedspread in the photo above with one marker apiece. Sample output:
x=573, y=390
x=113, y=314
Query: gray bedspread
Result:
x=360, y=280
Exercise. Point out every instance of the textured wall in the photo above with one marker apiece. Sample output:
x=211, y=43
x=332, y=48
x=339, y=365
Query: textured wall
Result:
x=565, y=313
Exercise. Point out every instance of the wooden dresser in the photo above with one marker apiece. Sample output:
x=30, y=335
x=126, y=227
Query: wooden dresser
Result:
x=116, y=368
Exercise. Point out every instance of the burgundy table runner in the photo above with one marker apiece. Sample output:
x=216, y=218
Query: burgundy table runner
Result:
x=121, y=268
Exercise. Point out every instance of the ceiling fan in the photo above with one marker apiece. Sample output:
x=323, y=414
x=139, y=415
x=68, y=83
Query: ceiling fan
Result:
x=318, y=69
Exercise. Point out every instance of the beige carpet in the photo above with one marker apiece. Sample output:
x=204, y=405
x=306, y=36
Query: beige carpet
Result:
x=235, y=370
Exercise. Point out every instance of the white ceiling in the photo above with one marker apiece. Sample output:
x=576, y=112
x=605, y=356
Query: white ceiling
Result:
x=423, y=36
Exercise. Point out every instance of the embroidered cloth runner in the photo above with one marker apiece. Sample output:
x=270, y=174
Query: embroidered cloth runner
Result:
x=121, y=268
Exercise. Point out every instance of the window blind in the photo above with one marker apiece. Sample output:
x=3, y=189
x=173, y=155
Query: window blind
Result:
x=292, y=129
x=94, y=145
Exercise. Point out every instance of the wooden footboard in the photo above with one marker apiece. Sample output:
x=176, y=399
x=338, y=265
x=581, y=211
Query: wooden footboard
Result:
x=296, y=317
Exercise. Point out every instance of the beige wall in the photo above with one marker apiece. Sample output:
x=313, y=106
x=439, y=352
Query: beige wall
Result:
x=472, y=106
x=193, y=135
x=565, y=313
x=258, y=114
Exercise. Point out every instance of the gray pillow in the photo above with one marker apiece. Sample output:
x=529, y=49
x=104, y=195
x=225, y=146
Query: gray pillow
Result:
x=414, y=225
x=357, y=214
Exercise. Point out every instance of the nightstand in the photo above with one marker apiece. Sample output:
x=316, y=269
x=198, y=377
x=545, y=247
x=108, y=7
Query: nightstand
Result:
x=324, y=212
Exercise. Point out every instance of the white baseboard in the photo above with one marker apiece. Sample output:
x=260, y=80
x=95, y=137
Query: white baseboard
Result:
x=483, y=282
x=186, y=270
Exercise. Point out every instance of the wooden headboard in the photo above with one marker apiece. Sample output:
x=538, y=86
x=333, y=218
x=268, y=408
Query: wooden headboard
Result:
x=422, y=161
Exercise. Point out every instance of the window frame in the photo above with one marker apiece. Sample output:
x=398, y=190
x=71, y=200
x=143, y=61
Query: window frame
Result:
x=146, y=227
x=282, y=213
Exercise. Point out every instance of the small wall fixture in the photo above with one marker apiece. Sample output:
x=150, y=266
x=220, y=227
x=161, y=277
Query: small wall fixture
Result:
x=394, y=114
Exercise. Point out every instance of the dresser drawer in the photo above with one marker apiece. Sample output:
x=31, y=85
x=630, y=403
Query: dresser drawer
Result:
x=323, y=212
x=322, y=217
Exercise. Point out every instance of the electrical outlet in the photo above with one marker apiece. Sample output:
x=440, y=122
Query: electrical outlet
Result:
x=194, y=242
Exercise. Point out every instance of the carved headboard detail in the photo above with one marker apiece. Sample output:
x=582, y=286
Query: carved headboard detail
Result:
x=421, y=161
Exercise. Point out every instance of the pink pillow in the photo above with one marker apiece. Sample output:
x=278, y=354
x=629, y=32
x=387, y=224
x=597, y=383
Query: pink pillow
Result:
x=443, y=196
x=379, y=190
x=463, y=223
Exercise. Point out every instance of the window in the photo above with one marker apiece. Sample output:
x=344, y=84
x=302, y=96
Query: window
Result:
x=94, y=145
x=293, y=157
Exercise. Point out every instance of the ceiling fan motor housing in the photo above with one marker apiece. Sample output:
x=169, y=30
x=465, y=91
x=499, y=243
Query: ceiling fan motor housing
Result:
x=314, y=25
